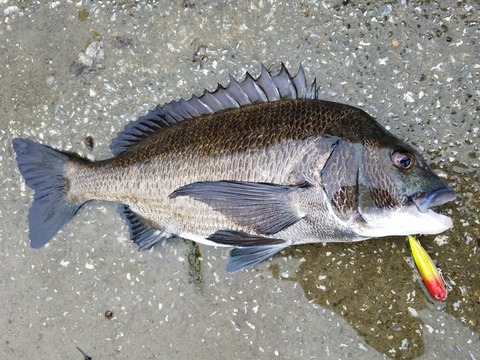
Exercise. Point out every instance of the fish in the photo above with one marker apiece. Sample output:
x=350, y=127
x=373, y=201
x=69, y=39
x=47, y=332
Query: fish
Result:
x=255, y=166
x=427, y=269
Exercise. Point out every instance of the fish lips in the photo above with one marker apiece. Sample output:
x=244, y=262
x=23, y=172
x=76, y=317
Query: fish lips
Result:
x=416, y=217
x=430, y=199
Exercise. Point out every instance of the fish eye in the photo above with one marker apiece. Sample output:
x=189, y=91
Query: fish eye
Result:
x=403, y=159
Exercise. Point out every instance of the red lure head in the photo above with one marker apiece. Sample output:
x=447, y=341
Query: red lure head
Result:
x=436, y=288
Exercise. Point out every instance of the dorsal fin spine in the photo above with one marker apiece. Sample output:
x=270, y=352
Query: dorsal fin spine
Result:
x=285, y=85
x=266, y=87
x=253, y=91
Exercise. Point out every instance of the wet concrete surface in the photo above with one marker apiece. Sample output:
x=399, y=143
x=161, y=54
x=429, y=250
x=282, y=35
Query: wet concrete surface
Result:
x=74, y=73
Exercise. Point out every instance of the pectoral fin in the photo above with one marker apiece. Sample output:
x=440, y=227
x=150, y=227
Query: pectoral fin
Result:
x=263, y=207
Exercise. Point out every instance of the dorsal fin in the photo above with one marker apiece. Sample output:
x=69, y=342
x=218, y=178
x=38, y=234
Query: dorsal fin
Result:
x=265, y=88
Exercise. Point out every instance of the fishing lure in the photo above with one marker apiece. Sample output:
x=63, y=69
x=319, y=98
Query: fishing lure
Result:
x=427, y=269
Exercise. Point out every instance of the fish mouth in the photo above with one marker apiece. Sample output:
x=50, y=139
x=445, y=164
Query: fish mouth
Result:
x=416, y=217
x=430, y=199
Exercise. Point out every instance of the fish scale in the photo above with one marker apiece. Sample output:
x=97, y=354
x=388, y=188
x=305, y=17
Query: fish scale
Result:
x=257, y=165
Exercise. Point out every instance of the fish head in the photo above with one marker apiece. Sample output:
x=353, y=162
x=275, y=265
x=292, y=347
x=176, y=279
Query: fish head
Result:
x=397, y=191
x=377, y=184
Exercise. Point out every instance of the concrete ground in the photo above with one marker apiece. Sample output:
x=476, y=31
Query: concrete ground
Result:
x=74, y=73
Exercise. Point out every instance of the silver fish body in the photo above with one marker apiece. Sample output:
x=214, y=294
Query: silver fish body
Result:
x=259, y=165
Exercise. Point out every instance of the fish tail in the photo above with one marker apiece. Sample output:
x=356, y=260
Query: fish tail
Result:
x=43, y=170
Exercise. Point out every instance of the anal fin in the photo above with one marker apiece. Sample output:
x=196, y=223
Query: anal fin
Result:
x=142, y=231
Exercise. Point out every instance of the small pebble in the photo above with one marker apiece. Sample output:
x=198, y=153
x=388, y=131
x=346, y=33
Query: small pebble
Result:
x=50, y=79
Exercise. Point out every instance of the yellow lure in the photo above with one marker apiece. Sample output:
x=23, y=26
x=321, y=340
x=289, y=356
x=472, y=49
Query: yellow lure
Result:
x=427, y=269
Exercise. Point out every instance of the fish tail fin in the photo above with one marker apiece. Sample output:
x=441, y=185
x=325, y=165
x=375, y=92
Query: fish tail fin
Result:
x=43, y=170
